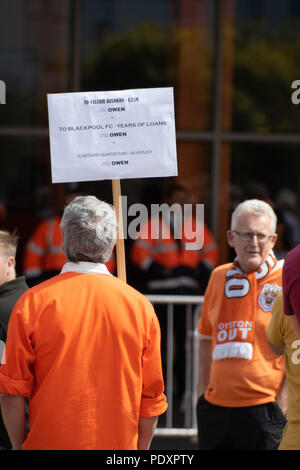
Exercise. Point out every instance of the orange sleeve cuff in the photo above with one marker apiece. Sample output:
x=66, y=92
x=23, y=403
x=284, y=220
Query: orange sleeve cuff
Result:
x=153, y=406
x=15, y=387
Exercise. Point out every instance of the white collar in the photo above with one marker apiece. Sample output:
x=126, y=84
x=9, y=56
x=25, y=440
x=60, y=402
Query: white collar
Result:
x=85, y=267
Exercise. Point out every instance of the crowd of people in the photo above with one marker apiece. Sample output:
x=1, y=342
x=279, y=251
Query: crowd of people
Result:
x=84, y=357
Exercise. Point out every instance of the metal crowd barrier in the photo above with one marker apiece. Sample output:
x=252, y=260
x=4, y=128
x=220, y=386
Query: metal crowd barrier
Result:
x=192, y=314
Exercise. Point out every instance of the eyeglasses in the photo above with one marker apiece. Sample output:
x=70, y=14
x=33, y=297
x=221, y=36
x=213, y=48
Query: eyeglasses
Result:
x=248, y=236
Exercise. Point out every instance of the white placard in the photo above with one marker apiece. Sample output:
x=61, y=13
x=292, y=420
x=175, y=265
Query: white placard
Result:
x=112, y=135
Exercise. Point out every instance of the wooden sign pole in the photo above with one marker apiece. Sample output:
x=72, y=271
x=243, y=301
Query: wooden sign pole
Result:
x=120, y=248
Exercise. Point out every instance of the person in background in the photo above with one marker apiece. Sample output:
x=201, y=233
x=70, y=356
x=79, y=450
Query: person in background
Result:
x=161, y=252
x=44, y=256
x=240, y=380
x=171, y=264
x=85, y=348
x=283, y=340
x=12, y=287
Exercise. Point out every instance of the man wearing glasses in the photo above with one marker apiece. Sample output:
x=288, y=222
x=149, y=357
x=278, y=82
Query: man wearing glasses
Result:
x=240, y=380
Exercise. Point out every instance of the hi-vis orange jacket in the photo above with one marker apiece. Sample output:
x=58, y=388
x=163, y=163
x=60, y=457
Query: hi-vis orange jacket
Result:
x=44, y=250
x=157, y=245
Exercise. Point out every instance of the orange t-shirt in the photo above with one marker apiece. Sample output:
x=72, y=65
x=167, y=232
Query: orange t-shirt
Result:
x=85, y=348
x=238, y=382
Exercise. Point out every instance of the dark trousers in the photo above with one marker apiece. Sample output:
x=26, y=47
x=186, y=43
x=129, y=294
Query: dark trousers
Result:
x=256, y=427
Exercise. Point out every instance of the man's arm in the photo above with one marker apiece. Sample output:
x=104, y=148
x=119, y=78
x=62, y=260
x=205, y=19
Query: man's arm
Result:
x=277, y=349
x=204, y=364
x=282, y=396
x=146, y=431
x=14, y=417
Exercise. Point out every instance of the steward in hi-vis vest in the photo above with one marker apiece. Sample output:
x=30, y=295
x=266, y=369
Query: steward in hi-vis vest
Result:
x=168, y=266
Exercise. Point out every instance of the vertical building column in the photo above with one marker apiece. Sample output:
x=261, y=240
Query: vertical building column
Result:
x=193, y=92
x=223, y=123
x=50, y=23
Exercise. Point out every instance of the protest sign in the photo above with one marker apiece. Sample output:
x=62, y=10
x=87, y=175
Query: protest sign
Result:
x=112, y=135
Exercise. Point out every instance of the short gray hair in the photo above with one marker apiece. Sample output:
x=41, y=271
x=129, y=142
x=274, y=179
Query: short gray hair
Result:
x=89, y=229
x=256, y=207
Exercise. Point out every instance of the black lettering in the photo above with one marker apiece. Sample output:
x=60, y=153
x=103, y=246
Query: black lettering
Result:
x=156, y=123
x=110, y=110
x=118, y=134
x=121, y=162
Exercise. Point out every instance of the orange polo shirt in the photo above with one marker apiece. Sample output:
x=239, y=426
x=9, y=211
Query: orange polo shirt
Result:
x=233, y=381
x=85, y=348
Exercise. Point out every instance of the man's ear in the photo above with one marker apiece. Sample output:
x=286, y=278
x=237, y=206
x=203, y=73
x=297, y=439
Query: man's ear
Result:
x=10, y=266
x=11, y=262
x=274, y=239
x=230, y=238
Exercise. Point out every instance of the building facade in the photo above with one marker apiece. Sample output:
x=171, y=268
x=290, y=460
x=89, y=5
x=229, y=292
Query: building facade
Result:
x=232, y=64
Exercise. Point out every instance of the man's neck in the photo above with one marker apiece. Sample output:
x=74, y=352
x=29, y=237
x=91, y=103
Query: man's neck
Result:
x=11, y=277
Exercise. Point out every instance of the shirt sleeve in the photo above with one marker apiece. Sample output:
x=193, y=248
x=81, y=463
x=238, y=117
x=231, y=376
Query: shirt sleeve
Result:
x=153, y=402
x=16, y=377
x=292, y=299
x=291, y=283
x=275, y=330
x=204, y=327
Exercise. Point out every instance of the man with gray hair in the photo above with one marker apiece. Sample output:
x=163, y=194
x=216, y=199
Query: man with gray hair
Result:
x=85, y=348
x=240, y=380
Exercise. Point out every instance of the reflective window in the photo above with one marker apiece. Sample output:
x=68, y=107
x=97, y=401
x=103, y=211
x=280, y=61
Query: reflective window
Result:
x=270, y=171
x=266, y=62
x=265, y=168
x=34, y=57
x=231, y=63
x=133, y=44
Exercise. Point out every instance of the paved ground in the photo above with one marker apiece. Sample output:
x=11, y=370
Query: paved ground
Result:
x=173, y=443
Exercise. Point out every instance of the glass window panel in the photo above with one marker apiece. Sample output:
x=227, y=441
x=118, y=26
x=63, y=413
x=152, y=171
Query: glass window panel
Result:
x=266, y=62
x=34, y=57
x=195, y=173
x=267, y=164
x=133, y=44
x=270, y=171
x=23, y=185
x=25, y=174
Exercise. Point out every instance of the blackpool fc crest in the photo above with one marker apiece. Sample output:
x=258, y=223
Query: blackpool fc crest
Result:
x=267, y=296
